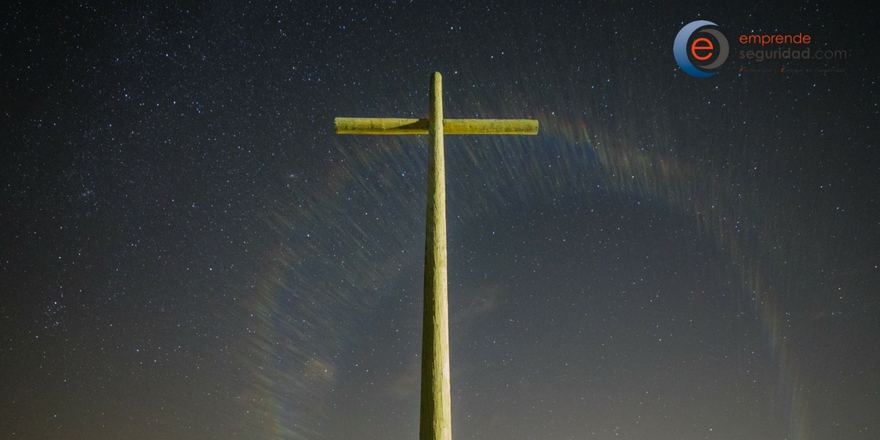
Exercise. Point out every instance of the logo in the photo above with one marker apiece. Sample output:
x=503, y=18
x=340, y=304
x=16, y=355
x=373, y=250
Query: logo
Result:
x=703, y=55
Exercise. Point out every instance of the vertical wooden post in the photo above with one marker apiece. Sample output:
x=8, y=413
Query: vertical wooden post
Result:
x=435, y=417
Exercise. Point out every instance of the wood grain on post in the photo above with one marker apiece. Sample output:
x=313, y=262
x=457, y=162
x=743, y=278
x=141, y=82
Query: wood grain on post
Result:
x=435, y=417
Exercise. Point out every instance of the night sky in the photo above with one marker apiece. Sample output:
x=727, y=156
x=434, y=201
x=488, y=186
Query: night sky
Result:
x=189, y=251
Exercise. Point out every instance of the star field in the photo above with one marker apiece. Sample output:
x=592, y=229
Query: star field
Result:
x=190, y=251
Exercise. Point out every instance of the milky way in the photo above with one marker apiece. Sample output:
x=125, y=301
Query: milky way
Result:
x=190, y=251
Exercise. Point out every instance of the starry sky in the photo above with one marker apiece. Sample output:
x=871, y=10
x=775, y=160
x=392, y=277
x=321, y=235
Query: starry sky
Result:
x=189, y=251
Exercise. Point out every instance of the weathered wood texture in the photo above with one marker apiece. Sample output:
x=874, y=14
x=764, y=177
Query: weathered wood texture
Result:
x=450, y=126
x=436, y=409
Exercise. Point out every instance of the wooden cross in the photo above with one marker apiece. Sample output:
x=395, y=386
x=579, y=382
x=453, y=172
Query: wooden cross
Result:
x=435, y=417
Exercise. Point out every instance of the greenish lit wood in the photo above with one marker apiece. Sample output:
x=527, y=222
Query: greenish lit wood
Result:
x=435, y=417
x=490, y=126
x=381, y=126
x=450, y=126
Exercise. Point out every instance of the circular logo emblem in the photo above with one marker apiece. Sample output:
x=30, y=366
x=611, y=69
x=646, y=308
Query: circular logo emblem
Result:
x=703, y=55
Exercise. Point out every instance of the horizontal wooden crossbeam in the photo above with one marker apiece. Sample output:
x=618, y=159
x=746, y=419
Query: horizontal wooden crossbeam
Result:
x=450, y=126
